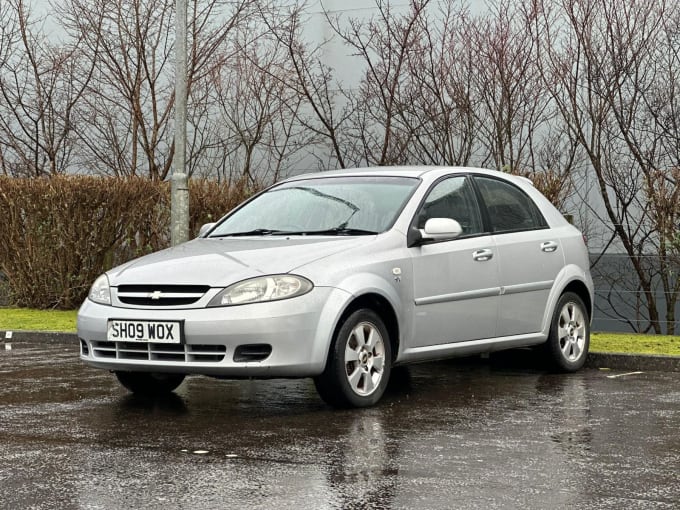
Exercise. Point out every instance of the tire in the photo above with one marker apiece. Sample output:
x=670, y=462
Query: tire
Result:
x=359, y=362
x=149, y=384
x=569, y=339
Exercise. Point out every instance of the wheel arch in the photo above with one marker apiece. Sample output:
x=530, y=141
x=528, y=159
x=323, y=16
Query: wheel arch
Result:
x=579, y=288
x=572, y=278
x=380, y=305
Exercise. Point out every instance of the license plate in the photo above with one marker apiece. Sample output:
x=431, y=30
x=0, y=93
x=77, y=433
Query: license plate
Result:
x=162, y=332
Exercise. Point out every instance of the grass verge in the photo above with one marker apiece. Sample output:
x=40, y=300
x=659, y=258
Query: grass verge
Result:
x=24, y=319
x=631, y=343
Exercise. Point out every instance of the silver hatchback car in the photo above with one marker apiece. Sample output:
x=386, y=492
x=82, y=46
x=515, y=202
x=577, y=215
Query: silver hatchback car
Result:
x=340, y=276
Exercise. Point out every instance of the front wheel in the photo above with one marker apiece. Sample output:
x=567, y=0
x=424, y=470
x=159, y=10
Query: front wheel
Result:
x=569, y=338
x=359, y=362
x=149, y=384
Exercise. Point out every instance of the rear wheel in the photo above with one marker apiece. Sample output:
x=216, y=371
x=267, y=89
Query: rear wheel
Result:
x=149, y=383
x=569, y=338
x=359, y=362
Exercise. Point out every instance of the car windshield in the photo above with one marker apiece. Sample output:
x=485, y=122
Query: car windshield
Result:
x=326, y=206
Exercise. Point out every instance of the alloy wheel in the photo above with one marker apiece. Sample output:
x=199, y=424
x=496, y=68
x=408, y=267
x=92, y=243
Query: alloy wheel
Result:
x=364, y=358
x=571, y=331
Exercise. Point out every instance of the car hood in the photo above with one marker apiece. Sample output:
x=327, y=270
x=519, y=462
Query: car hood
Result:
x=221, y=262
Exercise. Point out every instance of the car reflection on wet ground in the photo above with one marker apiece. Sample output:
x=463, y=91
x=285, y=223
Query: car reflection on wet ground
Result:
x=452, y=434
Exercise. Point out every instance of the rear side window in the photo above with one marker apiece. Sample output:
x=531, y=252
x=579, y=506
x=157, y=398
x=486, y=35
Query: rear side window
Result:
x=509, y=208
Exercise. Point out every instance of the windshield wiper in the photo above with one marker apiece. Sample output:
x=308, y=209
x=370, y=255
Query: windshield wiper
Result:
x=336, y=231
x=255, y=232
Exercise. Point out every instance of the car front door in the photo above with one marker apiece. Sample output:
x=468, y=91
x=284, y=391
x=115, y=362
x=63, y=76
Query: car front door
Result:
x=456, y=285
x=529, y=255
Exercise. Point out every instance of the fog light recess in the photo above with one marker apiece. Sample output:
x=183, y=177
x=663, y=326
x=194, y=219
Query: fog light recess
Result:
x=252, y=352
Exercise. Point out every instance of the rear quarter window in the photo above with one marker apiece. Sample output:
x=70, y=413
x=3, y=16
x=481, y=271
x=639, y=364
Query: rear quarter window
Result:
x=508, y=207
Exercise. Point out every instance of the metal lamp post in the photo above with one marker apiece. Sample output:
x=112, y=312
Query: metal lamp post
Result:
x=179, y=204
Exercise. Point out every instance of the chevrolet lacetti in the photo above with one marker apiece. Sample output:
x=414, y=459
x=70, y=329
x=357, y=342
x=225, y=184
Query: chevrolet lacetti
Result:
x=340, y=276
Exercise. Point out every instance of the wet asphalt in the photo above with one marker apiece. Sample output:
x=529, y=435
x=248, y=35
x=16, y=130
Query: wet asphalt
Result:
x=499, y=433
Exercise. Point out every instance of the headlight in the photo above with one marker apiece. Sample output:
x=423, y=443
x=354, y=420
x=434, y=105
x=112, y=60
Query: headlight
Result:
x=100, y=291
x=262, y=288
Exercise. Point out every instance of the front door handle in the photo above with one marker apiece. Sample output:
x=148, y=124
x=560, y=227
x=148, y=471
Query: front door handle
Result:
x=482, y=255
x=549, y=246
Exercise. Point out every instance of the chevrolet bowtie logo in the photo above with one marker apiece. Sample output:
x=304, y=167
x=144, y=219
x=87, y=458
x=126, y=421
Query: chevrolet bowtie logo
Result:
x=156, y=294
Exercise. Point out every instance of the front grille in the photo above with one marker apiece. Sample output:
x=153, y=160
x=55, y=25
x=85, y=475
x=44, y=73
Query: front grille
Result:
x=142, y=351
x=161, y=295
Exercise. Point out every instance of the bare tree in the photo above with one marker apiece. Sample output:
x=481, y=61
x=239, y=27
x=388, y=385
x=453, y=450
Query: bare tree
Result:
x=662, y=192
x=130, y=99
x=383, y=44
x=437, y=104
x=318, y=100
x=8, y=31
x=512, y=105
x=519, y=130
x=40, y=87
x=8, y=37
x=256, y=109
x=602, y=56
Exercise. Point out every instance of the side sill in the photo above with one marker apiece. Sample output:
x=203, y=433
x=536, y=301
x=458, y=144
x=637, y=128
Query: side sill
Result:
x=454, y=349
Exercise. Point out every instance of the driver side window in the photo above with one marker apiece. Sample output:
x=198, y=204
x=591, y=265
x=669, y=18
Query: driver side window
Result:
x=452, y=198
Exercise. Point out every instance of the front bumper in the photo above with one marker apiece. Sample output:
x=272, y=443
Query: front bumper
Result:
x=299, y=331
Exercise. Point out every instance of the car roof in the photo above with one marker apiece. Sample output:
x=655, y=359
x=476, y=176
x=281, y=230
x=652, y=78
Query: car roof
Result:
x=403, y=171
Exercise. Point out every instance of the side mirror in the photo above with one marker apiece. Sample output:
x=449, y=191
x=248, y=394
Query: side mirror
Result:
x=439, y=229
x=205, y=228
x=436, y=229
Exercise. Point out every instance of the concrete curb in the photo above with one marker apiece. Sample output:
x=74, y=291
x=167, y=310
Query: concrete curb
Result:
x=615, y=361
x=39, y=336
x=643, y=362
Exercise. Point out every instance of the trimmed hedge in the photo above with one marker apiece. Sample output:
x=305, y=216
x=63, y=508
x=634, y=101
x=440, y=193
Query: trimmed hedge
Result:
x=57, y=235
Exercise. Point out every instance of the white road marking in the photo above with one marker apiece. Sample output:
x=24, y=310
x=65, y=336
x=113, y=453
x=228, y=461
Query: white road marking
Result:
x=623, y=375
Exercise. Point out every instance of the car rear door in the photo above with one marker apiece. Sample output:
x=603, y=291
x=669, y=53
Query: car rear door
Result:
x=528, y=253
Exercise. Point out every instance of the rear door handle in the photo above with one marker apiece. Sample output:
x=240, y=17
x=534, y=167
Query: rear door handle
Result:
x=482, y=255
x=549, y=246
